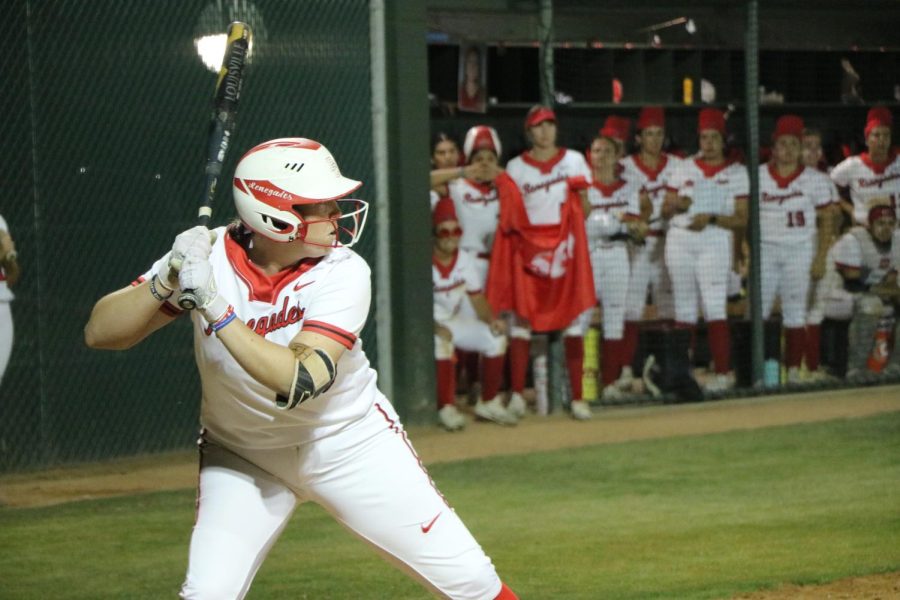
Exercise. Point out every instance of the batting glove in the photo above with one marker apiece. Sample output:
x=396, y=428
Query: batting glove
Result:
x=196, y=274
x=196, y=242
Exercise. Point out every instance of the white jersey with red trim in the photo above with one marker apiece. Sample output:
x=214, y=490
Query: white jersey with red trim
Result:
x=6, y=294
x=713, y=189
x=329, y=296
x=787, y=205
x=477, y=209
x=453, y=284
x=545, y=184
x=857, y=250
x=656, y=182
x=619, y=200
x=867, y=181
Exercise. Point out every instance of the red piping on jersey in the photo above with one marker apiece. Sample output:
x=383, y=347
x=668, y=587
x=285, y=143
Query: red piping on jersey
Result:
x=651, y=173
x=784, y=181
x=445, y=270
x=262, y=287
x=878, y=168
x=711, y=170
x=344, y=338
x=608, y=189
x=395, y=427
x=544, y=166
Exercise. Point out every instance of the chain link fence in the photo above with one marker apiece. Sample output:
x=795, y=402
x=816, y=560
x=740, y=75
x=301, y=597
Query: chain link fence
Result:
x=106, y=110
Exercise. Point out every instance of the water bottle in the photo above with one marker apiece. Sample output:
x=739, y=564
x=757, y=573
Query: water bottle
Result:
x=771, y=373
x=878, y=357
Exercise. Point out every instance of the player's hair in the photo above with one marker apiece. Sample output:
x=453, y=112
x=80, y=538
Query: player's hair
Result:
x=812, y=131
x=440, y=137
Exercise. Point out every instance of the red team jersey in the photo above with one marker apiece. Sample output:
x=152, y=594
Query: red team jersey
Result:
x=787, y=205
x=867, y=181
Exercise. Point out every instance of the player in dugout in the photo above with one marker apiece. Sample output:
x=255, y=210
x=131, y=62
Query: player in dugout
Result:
x=290, y=409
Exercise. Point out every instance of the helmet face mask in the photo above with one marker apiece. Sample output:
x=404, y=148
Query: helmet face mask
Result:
x=275, y=180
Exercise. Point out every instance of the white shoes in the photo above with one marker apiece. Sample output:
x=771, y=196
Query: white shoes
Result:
x=625, y=380
x=612, y=393
x=793, y=376
x=450, y=418
x=581, y=411
x=718, y=382
x=493, y=410
x=517, y=406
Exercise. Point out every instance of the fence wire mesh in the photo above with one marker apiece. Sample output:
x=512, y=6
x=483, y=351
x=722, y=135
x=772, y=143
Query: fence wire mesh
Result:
x=106, y=109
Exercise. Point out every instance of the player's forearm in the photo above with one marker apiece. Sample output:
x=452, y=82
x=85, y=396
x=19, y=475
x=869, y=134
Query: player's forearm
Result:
x=441, y=177
x=483, y=310
x=267, y=362
x=123, y=318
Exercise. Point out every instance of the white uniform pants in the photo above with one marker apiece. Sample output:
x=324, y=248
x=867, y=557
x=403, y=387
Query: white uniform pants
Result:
x=699, y=262
x=6, y=337
x=370, y=480
x=785, y=272
x=648, y=268
x=611, y=273
x=470, y=334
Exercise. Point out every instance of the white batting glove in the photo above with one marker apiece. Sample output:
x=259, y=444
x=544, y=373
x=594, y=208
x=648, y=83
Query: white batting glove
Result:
x=196, y=274
x=196, y=242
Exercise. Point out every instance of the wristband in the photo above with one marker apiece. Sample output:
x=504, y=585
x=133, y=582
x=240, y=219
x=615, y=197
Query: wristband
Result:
x=224, y=320
x=153, y=281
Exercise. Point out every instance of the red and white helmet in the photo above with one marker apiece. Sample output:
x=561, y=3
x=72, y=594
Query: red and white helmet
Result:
x=275, y=177
x=481, y=137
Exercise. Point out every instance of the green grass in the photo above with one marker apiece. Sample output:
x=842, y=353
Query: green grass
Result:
x=698, y=517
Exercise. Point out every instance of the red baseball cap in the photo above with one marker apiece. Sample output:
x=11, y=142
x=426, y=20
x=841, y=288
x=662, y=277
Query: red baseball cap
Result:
x=651, y=116
x=444, y=210
x=617, y=128
x=711, y=118
x=788, y=125
x=538, y=114
x=881, y=210
x=879, y=116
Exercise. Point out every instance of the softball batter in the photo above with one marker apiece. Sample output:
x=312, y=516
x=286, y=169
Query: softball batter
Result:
x=290, y=409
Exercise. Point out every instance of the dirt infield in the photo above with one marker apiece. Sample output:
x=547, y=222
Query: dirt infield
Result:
x=178, y=470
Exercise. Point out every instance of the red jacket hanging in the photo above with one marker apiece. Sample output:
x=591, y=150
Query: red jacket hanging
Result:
x=540, y=272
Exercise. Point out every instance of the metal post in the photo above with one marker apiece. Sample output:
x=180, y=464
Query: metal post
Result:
x=751, y=64
x=545, y=37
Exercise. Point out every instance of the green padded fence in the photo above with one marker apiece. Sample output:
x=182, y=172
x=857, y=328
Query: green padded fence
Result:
x=105, y=110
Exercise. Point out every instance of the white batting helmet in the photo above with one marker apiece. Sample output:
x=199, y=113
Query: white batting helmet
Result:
x=481, y=137
x=276, y=177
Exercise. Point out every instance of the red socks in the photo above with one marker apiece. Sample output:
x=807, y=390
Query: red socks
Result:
x=611, y=358
x=575, y=364
x=720, y=345
x=629, y=343
x=506, y=594
x=518, y=363
x=446, y=382
x=491, y=376
x=795, y=344
x=813, y=345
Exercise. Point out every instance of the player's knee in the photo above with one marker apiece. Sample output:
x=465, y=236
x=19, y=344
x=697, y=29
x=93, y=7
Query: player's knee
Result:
x=443, y=349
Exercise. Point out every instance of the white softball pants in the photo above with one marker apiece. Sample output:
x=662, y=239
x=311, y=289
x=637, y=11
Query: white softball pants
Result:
x=470, y=334
x=699, y=264
x=611, y=276
x=6, y=337
x=648, y=268
x=785, y=272
x=371, y=481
